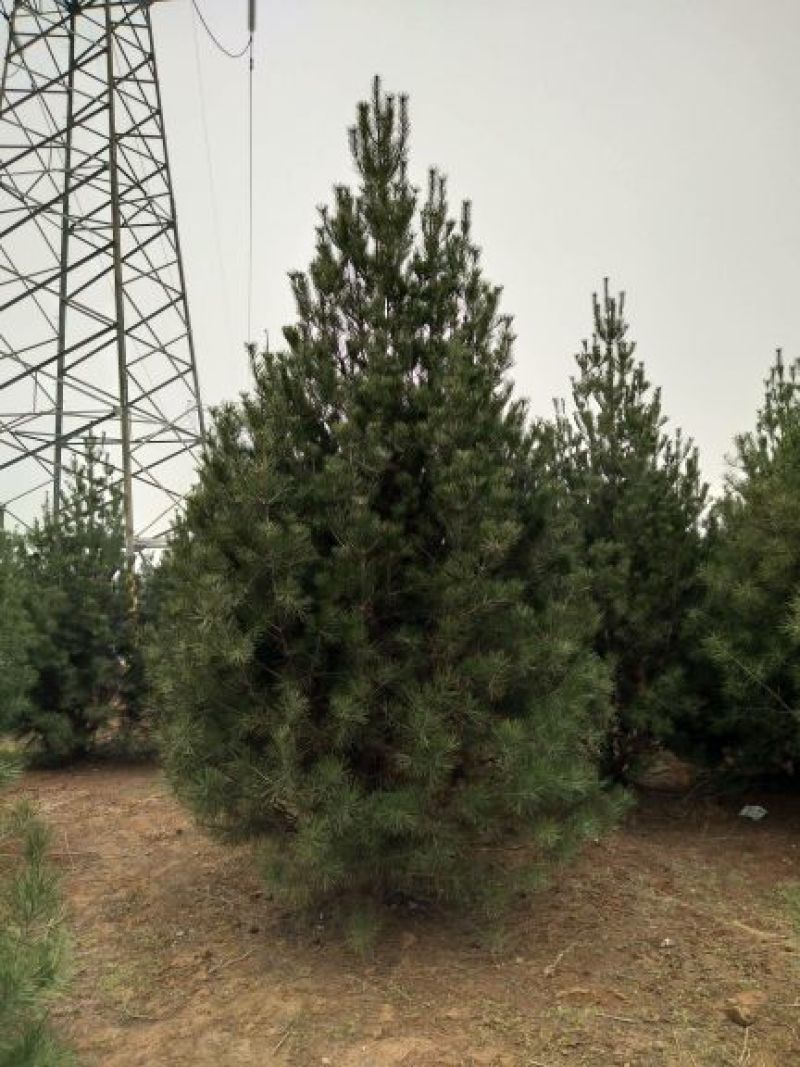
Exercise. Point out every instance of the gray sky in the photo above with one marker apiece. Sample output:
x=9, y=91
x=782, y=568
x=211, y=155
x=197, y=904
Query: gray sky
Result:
x=656, y=141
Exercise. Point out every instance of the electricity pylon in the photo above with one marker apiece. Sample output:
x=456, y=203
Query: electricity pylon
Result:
x=95, y=336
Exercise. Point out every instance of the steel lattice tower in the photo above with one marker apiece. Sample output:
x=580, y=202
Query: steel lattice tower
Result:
x=95, y=336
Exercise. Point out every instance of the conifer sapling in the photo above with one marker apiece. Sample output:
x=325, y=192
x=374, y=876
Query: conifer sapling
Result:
x=372, y=656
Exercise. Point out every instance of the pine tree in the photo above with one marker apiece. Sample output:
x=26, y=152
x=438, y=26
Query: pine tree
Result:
x=17, y=675
x=372, y=656
x=78, y=603
x=751, y=615
x=32, y=940
x=135, y=697
x=638, y=498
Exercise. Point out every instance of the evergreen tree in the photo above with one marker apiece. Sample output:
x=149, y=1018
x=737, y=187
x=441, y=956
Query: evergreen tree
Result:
x=17, y=674
x=372, y=656
x=638, y=499
x=31, y=938
x=751, y=615
x=135, y=735
x=142, y=590
x=79, y=606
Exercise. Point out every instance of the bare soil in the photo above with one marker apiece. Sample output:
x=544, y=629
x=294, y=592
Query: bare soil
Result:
x=181, y=958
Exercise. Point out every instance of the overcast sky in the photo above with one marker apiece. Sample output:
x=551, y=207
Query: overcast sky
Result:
x=656, y=141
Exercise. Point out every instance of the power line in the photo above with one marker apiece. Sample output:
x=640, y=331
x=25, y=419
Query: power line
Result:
x=251, y=26
x=248, y=48
x=250, y=200
x=216, y=40
x=212, y=185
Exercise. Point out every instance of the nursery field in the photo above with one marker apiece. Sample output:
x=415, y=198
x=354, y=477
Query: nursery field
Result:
x=654, y=950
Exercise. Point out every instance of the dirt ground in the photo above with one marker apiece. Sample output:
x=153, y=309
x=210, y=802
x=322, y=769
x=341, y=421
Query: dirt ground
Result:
x=180, y=958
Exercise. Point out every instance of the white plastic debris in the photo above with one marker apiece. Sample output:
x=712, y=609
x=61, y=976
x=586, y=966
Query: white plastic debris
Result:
x=753, y=811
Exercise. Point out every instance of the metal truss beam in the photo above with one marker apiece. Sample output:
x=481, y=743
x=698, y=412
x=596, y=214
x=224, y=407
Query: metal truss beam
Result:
x=95, y=335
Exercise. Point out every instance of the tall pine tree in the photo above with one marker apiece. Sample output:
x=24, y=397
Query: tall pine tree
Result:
x=79, y=604
x=751, y=615
x=638, y=499
x=371, y=654
x=17, y=674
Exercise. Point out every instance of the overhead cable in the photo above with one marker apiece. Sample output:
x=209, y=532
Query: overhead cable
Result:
x=248, y=48
x=250, y=192
x=225, y=51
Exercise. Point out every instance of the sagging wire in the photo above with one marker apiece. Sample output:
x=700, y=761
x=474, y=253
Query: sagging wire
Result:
x=246, y=49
